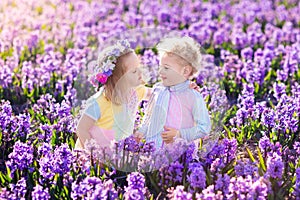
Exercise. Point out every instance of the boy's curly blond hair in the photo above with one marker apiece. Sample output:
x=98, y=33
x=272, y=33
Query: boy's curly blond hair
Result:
x=184, y=47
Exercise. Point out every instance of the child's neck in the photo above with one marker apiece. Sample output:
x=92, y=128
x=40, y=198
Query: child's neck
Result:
x=123, y=92
x=179, y=83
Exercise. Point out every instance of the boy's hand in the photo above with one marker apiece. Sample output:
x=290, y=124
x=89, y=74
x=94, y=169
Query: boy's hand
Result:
x=138, y=136
x=169, y=134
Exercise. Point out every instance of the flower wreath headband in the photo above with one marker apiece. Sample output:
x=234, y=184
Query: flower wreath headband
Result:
x=107, y=62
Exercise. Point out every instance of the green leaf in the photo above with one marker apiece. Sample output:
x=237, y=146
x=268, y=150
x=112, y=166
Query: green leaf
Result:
x=154, y=183
x=8, y=178
x=240, y=137
x=256, y=85
x=66, y=190
x=53, y=139
x=250, y=154
x=298, y=164
x=229, y=166
x=31, y=93
x=261, y=160
x=291, y=165
x=230, y=171
x=209, y=178
x=71, y=142
x=268, y=76
x=2, y=178
x=7, y=53
x=230, y=134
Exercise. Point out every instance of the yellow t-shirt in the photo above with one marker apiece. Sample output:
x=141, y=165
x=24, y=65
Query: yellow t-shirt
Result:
x=108, y=110
x=116, y=119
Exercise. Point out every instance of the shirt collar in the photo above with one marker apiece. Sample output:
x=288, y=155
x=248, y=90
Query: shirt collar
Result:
x=179, y=87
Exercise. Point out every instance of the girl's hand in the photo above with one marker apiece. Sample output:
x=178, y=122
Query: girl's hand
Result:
x=169, y=134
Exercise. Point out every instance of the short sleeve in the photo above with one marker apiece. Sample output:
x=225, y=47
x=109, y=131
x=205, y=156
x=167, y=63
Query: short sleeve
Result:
x=92, y=109
x=141, y=92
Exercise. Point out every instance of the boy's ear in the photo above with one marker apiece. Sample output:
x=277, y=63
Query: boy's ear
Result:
x=187, y=71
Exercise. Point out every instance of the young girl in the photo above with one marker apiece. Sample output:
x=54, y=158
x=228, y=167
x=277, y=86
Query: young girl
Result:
x=110, y=113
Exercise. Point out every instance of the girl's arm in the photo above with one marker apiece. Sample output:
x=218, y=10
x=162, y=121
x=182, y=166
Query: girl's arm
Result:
x=90, y=115
x=84, y=125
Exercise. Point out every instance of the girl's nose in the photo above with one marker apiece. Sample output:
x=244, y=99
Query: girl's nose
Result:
x=160, y=70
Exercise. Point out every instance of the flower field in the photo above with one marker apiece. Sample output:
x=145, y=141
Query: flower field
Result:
x=251, y=83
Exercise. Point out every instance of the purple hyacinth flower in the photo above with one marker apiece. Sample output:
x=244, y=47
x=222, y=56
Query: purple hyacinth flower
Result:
x=18, y=190
x=279, y=90
x=179, y=194
x=197, y=176
x=63, y=159
x=275, y=166
x=40, y=193
x=259, y=189
x=133, y=194
x=222, y=183
x=247, y=53
x=21, y=157
x=136, y=180
x=268, y=117
x=297, y=184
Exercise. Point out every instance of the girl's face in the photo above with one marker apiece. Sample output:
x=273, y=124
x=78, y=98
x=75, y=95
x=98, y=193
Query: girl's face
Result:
x=170, y=71
x=133, y=75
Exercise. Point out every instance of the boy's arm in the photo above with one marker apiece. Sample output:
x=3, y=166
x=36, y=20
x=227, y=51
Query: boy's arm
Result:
x=201, y=118
x=150, y=96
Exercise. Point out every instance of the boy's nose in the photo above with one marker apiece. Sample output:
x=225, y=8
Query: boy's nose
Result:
x=159, y=73
x=140, y=71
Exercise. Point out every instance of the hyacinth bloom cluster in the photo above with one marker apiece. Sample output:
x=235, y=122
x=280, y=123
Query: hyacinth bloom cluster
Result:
x=40, y=193
x=250, y=83
x=197, y=176
x=21, y=157
x=136, y=187
x=106, y=64
x=93, y=188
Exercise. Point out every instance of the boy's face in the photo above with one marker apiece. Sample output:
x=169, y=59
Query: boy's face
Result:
x=170, y=71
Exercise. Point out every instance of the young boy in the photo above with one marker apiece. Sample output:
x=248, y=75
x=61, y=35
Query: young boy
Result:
x=175, y=110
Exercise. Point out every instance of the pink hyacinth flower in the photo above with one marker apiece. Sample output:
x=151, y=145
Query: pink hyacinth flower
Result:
x=102, y=78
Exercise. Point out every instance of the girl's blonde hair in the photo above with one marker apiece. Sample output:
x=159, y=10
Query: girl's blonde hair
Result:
x=119, y=70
